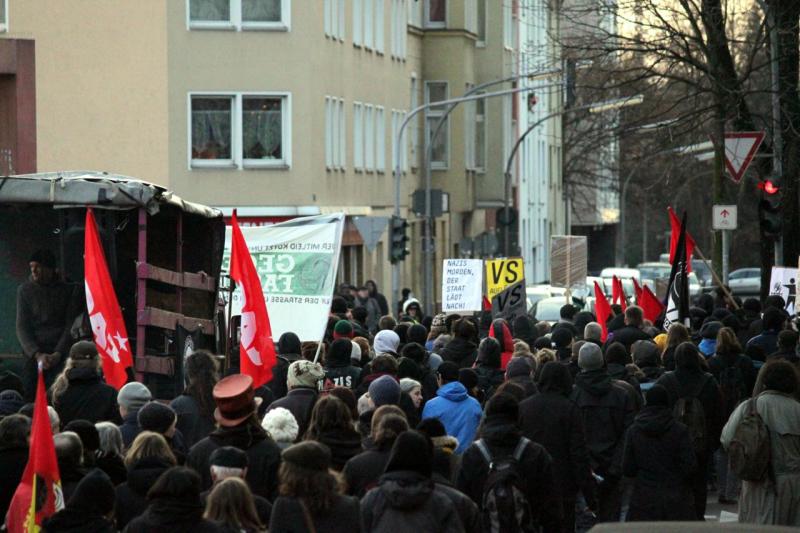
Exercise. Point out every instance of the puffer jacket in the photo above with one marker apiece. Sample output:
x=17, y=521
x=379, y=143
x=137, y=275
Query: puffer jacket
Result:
x=607, y=411
x=408, y=502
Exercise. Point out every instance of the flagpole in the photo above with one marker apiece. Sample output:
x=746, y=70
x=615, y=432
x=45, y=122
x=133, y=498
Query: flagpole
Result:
x=716, y=278
x=228, y=343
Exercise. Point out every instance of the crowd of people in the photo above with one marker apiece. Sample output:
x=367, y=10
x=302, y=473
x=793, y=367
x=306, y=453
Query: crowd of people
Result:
x=436, y=424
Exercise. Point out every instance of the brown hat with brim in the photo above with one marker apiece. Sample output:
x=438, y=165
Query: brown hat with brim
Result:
x=235, y=399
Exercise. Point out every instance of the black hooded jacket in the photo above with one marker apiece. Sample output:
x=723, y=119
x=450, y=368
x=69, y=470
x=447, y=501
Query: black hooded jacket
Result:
x=607, y=410
x=87, y=397
x=131, y=496
x=289, y=350
x=536, y=469
x=339, y=372
x=659, y=456
x=264, y=456
x=86, y=511
x=551, y=419
x=460, y=351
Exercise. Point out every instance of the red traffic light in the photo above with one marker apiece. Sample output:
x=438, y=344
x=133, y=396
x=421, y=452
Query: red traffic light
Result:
x=768, y=187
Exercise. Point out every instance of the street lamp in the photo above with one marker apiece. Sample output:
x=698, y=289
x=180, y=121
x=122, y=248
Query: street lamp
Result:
x=398, y=171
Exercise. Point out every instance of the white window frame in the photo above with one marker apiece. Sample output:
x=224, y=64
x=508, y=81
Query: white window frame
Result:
x=471, y=16
x=398, y=116
x=380, y=26
x=235, y=23
x=369, y=137
x=414, y=124
x=380, y=139
x=508, y=25
x=479, y=123
x=342, y=145
x=431, y=113
x=329, y=136
x=238, y=160
x=415, y=8
x=4, y=21
x=399, y=30
x=435, y=24
x=358, y=136
x=342, y=11
x=334, y=19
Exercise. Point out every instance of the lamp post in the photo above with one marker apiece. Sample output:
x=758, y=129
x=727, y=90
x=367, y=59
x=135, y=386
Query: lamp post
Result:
x=398, y=171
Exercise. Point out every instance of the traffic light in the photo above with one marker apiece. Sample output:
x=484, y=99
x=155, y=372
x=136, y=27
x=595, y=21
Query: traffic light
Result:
x=399, y=239
x=769, y=208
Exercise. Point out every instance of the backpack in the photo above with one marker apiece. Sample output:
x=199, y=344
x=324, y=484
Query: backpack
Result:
x=731, y=385
x=689, y=411
x=505, y=507
x=749, y=451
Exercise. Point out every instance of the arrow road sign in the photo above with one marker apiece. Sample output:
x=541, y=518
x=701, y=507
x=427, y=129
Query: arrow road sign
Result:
x=725, y=217
x=740, y=147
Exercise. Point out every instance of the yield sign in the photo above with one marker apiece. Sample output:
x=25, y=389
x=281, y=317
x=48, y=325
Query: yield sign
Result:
x=371, y=229
x=740, y=147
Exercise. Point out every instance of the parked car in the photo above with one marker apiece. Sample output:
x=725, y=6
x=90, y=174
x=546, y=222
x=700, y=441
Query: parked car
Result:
x=622, y=273
x=745, y=281
x=655, y=270
x=704, y=277
x=548, y=309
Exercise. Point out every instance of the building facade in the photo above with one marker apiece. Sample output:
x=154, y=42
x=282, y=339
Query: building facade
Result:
x=279, y=108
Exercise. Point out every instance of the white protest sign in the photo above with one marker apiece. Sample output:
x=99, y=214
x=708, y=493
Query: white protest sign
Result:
x=296, y=261
x=462, y=285
x=783, y=282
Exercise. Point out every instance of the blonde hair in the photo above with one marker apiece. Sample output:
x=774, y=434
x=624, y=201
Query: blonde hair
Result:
x=62, y=382
x=544, y=355
x=149, y=444
x=231, y=503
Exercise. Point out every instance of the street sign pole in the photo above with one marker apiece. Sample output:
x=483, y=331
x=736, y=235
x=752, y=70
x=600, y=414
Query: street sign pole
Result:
x=726, y=254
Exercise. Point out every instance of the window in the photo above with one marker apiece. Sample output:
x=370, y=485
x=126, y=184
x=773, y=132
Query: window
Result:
x=398, y=117
x=3, y=15
x=436, y=13
x=369, y=137
x=413, y=126
x=240, y=130
x=436, y=91
x=398, y=29
x=481, y=22
x=380, y=139
x=334, y=133
x=479, y=136
x=470, y=16
x=239, y=14
x=358, y=136
x=334, y=19
x=379, y=26
x=369, y=24
x=415, y=8
x=358, y=22
x=508, y=24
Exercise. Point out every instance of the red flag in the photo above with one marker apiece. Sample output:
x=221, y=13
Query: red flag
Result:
x=38, y=494
x=618, y=293
x=675, y=226
x=108, y=328
x=601, y=309
x=651, y=306
x=637, y=291
x=487, y=305
x=256, y=350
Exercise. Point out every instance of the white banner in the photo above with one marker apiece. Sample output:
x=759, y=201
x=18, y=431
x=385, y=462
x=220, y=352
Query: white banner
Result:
x=783, y=282
x=462, y=285
x=296, y=261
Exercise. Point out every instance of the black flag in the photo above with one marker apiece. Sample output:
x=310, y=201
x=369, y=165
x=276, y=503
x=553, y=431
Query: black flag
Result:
x=678, y=290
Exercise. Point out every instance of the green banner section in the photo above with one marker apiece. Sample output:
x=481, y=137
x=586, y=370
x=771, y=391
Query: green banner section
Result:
x=289, y=273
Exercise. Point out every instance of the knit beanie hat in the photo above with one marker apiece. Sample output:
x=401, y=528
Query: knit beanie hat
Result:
x=412, y=451
x=228, y=457
x=661, y=342
x=90, y=437
x=561, y=337
x=308, y=454
x=590, y=357
x=132, y=396
x=386, y=341
x=519, y=366
x=343, y=330
x=85, y=350
x=503, y=405
x=406, y=368
x=155, y=416
x=94, y=494
x=304, y=374
x=281, y=425
x=408, y=384
x=439, y=324
x=10, y=402
x=384, y=391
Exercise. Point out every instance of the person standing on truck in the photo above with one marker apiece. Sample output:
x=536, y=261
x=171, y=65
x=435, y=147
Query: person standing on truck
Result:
x=44, y=316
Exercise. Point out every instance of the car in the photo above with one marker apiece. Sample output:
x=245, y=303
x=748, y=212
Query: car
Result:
x=704, y=276
x=549, y=309
x=621, y=273
x=534, y=293
x=745, y=282
x=655, y=270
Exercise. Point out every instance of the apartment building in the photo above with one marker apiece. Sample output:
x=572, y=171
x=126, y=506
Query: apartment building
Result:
x=279, y=108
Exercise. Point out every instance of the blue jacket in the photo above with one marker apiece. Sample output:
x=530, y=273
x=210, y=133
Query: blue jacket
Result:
x=459, y=412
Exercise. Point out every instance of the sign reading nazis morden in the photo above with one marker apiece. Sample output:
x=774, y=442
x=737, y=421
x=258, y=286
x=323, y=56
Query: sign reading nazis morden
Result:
x=296, y=261
x=462, y=285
